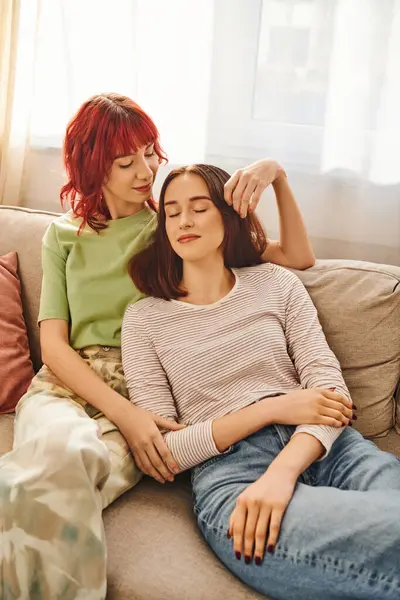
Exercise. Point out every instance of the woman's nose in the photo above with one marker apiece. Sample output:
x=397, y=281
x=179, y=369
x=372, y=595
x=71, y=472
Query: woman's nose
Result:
x=185, y=221
x=143, y=170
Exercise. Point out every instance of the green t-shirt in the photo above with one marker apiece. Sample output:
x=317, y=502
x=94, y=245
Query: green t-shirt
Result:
x=85, y=278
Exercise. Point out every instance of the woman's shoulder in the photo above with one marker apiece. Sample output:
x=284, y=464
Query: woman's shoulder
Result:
x=147, y=308
x=267, y=272
x=66, y=224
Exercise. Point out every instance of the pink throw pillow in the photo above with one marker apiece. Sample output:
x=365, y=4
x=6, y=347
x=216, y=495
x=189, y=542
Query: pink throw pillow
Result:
x=15, y=364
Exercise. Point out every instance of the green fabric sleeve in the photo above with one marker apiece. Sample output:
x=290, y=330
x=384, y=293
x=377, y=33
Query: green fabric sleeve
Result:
x=53, y=298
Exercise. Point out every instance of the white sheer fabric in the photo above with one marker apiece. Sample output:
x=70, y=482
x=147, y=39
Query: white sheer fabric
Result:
x=313, y=83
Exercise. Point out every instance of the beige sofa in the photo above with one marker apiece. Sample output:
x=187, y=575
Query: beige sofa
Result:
x=155, y=551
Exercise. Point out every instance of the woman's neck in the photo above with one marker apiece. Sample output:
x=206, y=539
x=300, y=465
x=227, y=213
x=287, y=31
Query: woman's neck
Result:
x=119, y=209
x=206, y=281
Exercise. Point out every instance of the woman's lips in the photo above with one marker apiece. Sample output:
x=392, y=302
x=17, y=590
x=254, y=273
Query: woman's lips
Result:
x=187, y=238
x=144, y=188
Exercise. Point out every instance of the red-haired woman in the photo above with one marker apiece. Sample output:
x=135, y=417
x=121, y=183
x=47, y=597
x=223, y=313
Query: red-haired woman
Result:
x=75, y=430
x=239, y=357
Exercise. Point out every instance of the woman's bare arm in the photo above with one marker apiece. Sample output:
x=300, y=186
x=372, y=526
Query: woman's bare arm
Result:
x=139, y=427
x=73, y=371
x=294, y=247
x=243, y=191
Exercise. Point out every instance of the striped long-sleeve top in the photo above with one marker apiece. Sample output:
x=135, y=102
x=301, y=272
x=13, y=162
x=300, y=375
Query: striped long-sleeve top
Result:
x=194, y=364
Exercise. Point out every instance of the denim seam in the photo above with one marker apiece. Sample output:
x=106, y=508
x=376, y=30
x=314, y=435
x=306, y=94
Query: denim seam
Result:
x=327, y=562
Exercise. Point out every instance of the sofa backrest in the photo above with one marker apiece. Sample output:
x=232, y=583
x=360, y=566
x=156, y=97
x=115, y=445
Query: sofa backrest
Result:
x=358, y=305
x=21, y=230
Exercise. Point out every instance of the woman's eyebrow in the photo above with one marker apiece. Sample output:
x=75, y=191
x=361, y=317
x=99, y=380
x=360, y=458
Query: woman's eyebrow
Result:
x=133, y=153
x=191, y=199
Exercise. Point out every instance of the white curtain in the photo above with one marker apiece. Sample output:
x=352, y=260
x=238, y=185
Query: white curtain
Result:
x=18, y=38
x=314, y=83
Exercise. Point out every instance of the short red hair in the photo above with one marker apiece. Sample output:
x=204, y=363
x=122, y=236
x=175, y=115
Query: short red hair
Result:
x=157, y=270
x=105, y=126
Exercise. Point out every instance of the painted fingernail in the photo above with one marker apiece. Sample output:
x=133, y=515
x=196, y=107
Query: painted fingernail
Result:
x=257, y=560
x=354, y=417
x=270, y=549
x=350, y=424
x=247, y=560
x=354, y=407
x=228, y=535
x=238, y=555
x=332, y=389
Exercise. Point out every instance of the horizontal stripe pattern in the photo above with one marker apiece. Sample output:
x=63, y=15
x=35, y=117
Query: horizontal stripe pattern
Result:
x=194, y=364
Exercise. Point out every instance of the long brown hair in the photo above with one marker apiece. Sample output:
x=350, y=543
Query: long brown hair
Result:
x=157, y=270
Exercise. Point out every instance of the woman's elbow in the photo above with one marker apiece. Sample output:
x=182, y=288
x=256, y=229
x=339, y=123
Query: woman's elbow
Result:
x=305, y=262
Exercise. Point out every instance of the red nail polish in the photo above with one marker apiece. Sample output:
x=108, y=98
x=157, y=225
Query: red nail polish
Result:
x=228, y=535
x=354, y=407
x=270, y=549
x=354, y=417
x=238, y=555
x=247, y=560
x=257, y=560
x=332, y=389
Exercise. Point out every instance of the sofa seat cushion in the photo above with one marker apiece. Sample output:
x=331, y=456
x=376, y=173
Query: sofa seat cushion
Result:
x=156, y=551
x=359, y=309
x=15, y=363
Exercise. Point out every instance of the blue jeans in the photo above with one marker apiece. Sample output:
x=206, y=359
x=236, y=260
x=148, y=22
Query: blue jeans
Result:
x=340, y=537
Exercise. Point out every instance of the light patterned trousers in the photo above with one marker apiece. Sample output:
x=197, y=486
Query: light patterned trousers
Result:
x=68, y=462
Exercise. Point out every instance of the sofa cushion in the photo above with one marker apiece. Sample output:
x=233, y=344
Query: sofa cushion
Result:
x=155, y=549
x=15, y=363
x=359, y=309
x=22, y=231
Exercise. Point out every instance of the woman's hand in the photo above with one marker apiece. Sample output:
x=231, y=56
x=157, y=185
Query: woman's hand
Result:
x=313, y=406
x=257, y=517
x=140, y=429
x=243, y=190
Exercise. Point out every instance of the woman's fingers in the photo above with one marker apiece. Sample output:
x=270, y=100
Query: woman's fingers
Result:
x=261, y=534
x=338, y=407
x=247, y=194
x=138, y=462
x=163, y=423
x=165, y=454
x=274, y=528
x=239, y=523
x=157, y=463
x=146, y=467
x=230, y=186
x=243, y=192
x=239, y=191
x=253, y=512
x=257, y=196
x=338, y=397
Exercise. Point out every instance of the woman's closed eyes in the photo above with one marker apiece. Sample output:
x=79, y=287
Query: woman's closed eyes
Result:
x=202, y=210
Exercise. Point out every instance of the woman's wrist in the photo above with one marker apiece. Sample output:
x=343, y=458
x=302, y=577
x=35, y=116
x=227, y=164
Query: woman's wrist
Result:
x=281, y=175
x=269, y=408
x=120, y=409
